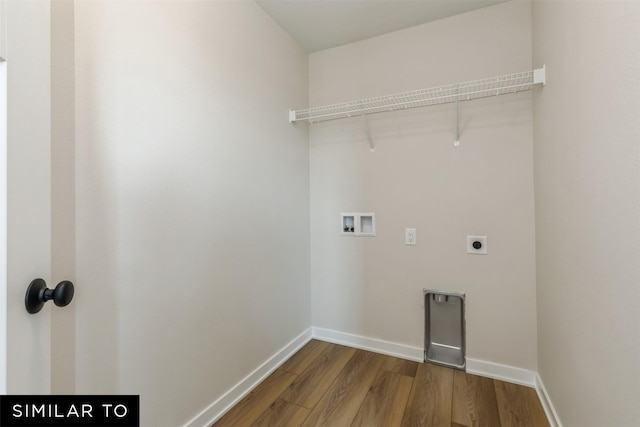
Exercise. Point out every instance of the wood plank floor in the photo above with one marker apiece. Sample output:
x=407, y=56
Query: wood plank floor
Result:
x=330, y=385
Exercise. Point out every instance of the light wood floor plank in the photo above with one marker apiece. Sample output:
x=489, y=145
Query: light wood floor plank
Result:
x=519, y=406
x=474, y=401
x=385, y=402
x=312, y=383
x=339, y=405
x=303, y=358
x=431, y=396
x=400, y=366
x=282, y=414
x=247, y=411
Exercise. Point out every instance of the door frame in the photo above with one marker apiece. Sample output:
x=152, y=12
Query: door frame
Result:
x=25, y=197
x=3, y=223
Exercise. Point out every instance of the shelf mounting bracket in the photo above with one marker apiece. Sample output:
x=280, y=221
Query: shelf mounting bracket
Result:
x=367, y=132
x=456, y=142
x=540, y=75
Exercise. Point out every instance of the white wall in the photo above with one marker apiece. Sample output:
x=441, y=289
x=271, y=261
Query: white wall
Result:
x=416, y=178
x=192, y=200
x=63, y=218
x=587, y=181
x=28, y=192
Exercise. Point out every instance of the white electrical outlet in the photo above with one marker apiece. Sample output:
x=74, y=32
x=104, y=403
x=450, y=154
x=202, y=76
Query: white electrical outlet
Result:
x=410, y=236
x=477, y=245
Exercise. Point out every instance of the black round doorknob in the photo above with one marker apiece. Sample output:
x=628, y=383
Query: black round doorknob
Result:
x=38, y=294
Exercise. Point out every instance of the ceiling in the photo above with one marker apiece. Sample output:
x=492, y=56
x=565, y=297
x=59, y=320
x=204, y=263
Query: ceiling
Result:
x=323, y=24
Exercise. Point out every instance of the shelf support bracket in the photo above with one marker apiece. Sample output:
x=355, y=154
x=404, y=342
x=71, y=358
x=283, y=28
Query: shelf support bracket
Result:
x=540, y=75
x=456, y=142
x=367, y=132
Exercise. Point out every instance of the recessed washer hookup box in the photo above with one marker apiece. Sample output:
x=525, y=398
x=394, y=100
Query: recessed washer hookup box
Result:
x=444, y=336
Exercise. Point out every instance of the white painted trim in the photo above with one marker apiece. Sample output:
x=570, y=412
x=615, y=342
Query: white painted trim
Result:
x=483, y=368
x=3, y=31
x=510, y=374
x=547, y=405
x=370, y=344
x=217, y=409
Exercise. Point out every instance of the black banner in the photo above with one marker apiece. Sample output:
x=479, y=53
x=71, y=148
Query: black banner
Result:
x=69, y=410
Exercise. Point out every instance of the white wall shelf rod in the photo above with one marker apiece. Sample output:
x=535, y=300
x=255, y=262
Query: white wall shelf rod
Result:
x=466, y=91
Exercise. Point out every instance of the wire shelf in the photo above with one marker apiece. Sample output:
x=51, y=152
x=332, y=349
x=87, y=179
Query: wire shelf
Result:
x=466, y=91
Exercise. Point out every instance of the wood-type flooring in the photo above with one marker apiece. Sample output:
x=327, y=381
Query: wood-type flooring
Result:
x=331, y=385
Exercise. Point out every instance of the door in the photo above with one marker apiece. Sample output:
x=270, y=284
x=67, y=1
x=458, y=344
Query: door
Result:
x=25, y=169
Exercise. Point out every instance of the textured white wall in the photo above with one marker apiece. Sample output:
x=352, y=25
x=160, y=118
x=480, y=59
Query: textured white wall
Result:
x=417, y=179
x=587, y=180
x=192, y=200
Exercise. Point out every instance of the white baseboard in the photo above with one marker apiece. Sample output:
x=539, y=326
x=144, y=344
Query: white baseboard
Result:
x=474, y=366
x=217, y=409
x=506, y=373
x=370, y=344
x=547, y=405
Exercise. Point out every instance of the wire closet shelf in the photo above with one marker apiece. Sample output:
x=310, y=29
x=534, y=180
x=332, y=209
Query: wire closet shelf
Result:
x=494, y=86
